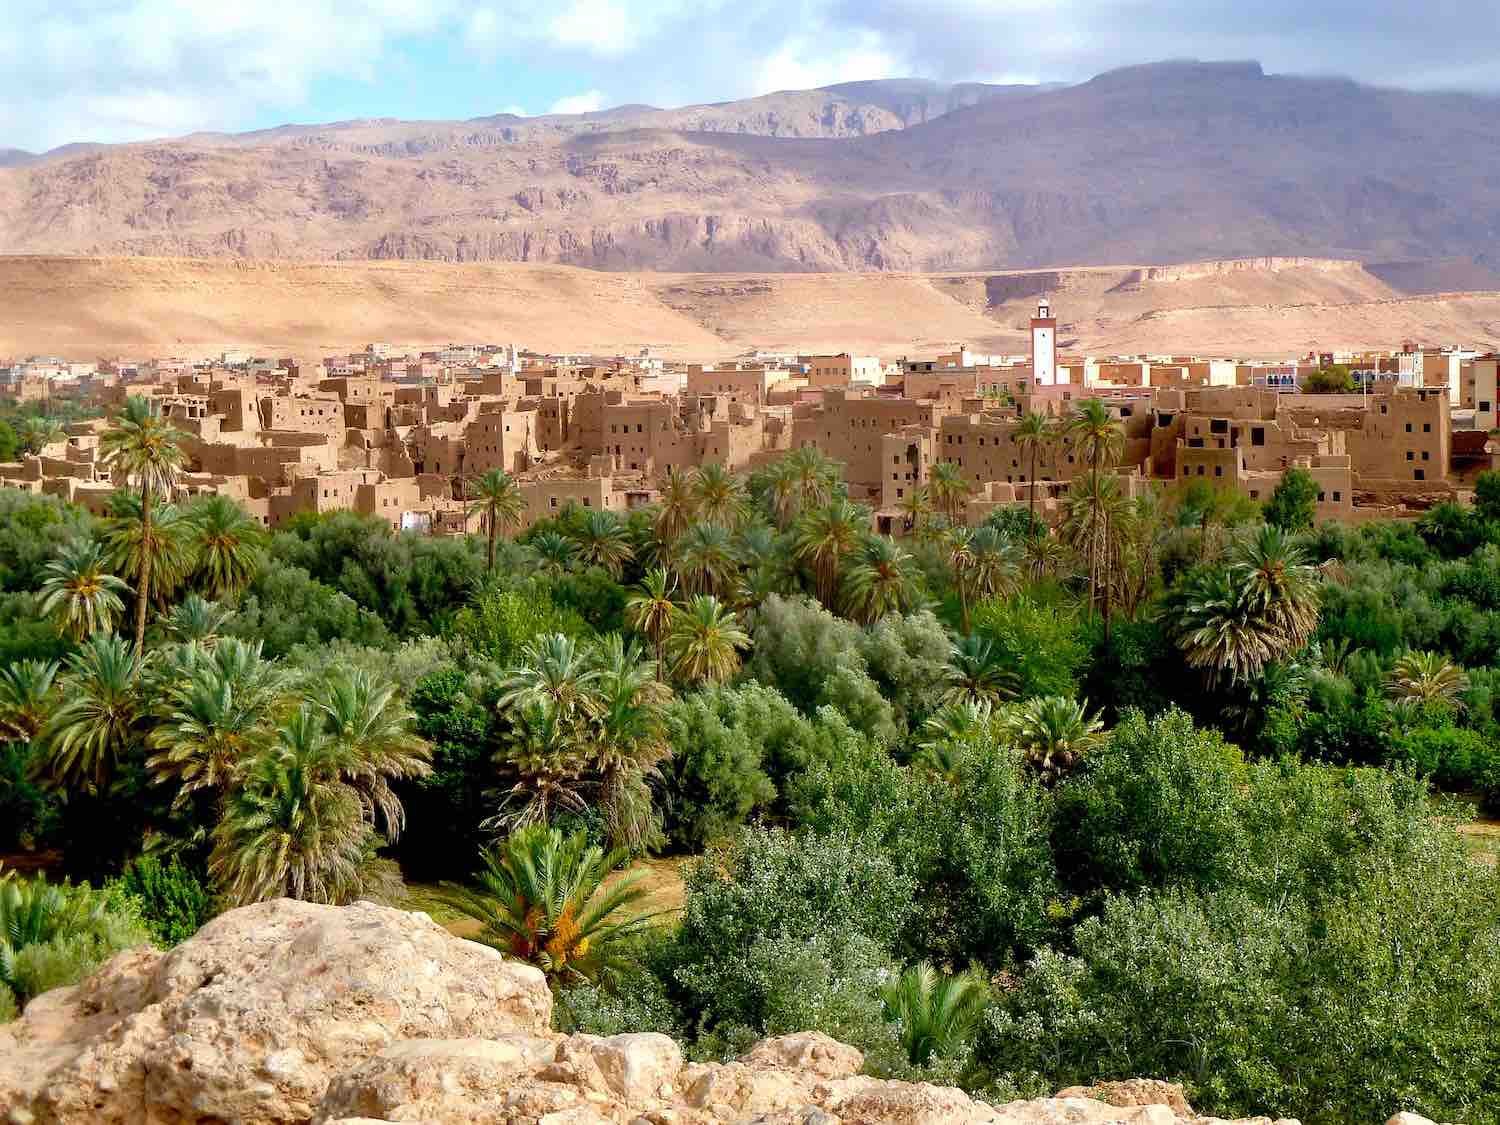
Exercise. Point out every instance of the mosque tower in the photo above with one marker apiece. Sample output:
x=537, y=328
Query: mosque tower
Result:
x=1043, y=345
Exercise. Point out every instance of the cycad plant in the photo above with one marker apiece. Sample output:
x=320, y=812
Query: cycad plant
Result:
x=79, y=592
x=99, y=715
x=26, y=698
x=977, y=673
x=555, y=553
x=601, y=541
x=228, y=544
x=705, y=642
x=215, y=718
x=880, y=582
x=547, y=898
x=1054, y=733
x=195, y=618
x=1425, y=678
x=936, y=1013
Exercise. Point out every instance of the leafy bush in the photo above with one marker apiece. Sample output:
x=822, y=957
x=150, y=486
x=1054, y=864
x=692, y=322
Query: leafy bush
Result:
x=285, y=606
x=784, y=928
x=56, y=934
x=9, y=1009
x=499, y=623
x=173, y=902
x=1155, y=805
x=1044, y=643
x=1275, y=1007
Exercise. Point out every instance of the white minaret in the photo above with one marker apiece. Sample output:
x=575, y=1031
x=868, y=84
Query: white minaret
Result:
x=1044, y=345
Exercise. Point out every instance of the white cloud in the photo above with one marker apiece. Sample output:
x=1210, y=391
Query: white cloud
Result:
x=603, y=26
x=591, y=101
x=806, y=62
x=136, y=69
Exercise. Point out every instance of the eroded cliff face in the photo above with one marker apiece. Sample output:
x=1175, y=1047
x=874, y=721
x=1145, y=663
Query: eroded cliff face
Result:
x=287, y=1012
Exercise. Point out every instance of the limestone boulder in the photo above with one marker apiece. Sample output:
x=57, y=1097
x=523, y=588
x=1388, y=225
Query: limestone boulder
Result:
x=254, y=1017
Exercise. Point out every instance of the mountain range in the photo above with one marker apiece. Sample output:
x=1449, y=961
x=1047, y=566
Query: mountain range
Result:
x=1162, y=163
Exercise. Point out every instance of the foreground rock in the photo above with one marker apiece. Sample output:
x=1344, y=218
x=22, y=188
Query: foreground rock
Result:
x=252, y=1018
x=287, y=1012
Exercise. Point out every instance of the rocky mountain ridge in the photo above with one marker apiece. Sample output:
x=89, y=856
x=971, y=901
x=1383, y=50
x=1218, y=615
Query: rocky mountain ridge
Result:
x=286, y=1012
x=1163, y=163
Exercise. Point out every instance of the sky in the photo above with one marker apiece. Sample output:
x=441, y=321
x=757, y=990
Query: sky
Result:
x=122, y=70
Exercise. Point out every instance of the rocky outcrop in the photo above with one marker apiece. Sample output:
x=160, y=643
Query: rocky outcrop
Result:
x=287, y=1012
x=253, y=1018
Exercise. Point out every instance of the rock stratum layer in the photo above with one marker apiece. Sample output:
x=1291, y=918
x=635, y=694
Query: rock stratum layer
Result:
x=87, y=307
x=1161, y=163
x=287, y=1012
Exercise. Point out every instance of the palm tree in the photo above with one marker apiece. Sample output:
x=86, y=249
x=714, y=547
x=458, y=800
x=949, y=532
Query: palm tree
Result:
x=1053, y=732
x=675, y=512
x=705, y=641
x=167, y=537
x=554, y=673
x=950, y=491
x=826, y=537
x=976, y=674
x=706, y=559
x=650, y=613
x=1033, y=433
x=79, y=593
x=1099, y=438
x=197, y=619
x=995, y=569
x=718, y=496
x=26, y=698
x=801, y=481
x=498, y=498
x=628, y=743
x=96, y=722
x=371, y=732
x=291, y=828
x=955, y=722
x=1279, y=584
x=1093, y=502
x=547, y=899
x=1425, y=678
x=143, y=448
x=555, y=553
x=228, y=543
x=36, y=433
x=937, y=1012
x=216, y=719
x=880, y=582
x=916, y=510
x=602, y=542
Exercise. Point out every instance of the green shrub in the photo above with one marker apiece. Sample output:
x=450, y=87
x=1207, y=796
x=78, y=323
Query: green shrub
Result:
x=1044, y=643
x=9, y=1009
x=1455, y=758
x=1157, y=804
x=56, y=934
x=778, y=928
x=174, y=903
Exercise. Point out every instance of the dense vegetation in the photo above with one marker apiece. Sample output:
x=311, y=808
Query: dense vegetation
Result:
x=1171, y=789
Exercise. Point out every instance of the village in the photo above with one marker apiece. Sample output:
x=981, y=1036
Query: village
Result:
x=398, y=435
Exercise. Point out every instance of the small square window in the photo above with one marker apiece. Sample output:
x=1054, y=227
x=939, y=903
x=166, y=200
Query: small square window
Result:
x=1427, y=427
x=1408, y=427
x=1410, y=456
x=1419, y=474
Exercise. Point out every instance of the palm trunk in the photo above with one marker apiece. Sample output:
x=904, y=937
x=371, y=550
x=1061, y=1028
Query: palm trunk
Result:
x=963, y=603
x=144, y=589
x=1031, y=505
x=492, y=539
x=1106, y=577
x=661, y=659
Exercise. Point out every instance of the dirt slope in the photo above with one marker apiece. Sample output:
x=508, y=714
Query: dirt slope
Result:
x=1264, y=307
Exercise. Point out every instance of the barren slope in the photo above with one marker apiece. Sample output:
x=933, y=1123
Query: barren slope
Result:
x=1266, y=307
x=1163, y=163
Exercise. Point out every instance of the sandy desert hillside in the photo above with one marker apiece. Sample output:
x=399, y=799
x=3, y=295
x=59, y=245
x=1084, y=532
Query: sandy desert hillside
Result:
x=1163, y=163
x=1256, y=307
